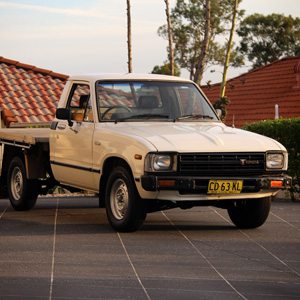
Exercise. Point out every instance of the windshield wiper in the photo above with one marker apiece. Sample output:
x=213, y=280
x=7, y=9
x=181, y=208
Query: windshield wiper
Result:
x=193, y=117
x=144, y=116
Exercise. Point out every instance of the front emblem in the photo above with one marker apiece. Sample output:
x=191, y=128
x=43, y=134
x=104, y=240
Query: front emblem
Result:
x=243, y=161
x=249, y=162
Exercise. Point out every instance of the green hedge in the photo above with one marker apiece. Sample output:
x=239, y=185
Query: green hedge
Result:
x=287, y=132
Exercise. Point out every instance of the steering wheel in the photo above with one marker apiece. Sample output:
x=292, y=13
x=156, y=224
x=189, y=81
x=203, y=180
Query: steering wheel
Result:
x=110, y=108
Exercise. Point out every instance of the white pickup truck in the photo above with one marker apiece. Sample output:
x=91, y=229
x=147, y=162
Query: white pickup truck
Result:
x=145, y=143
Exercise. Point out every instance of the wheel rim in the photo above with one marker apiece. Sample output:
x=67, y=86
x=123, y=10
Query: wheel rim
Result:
x=119, y=199
x=16, y=183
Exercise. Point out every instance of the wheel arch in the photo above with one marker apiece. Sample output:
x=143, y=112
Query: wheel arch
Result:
x=8, y=154
x=125, y=209
x=108, y=165
x=22, y=192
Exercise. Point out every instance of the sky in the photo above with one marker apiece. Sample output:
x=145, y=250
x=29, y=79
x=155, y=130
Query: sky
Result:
x=82, y=37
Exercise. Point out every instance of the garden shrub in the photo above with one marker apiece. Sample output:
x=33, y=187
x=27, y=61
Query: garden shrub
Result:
x=287, y=132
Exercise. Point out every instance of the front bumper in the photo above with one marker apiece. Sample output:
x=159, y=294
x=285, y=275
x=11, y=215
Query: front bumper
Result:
x=196, y=185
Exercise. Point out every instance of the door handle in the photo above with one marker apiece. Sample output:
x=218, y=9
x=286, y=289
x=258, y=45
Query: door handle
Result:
x=97, y=143
x=61, y=126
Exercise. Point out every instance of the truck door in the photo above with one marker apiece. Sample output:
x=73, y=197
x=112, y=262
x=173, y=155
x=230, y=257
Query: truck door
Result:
x=72, y=153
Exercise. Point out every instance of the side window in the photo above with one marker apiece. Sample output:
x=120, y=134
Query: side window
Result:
x=80, y=103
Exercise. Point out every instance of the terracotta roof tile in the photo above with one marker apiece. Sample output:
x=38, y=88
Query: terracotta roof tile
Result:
x=24, y=118
x=28, y=93
x=38, y=98
x=53, y=99
x=253, y=95
x=21, y=112
x=3, y=93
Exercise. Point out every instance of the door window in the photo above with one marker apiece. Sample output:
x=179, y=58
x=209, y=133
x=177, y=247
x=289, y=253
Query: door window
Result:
x=80, y=103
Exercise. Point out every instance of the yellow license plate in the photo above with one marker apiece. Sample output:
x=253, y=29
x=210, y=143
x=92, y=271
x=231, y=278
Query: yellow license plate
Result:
x=225, y=186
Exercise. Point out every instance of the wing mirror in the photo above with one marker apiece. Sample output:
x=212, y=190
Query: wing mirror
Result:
x=64, y=114
x=219, y=113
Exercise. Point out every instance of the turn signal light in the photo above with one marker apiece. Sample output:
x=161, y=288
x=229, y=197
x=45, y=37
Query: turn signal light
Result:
x=166, y=183
x=276, y=183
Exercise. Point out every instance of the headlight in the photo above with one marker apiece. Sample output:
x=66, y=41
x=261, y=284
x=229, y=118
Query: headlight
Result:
x=160, y=162
x=275, y=161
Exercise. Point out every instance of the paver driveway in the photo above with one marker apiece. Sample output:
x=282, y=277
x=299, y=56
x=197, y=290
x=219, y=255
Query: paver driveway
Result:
x=65, y=249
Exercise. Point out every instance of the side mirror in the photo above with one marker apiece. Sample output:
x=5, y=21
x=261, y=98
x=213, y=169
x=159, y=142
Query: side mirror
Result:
x=219, y=113
x=64, y=114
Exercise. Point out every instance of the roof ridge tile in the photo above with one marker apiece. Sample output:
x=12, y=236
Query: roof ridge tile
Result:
x=19, y=65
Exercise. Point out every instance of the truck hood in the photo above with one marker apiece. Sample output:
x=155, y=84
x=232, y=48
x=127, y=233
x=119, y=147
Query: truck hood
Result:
x=196, y=136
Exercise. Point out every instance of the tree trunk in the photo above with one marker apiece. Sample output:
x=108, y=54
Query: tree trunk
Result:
x=200, y=65
x=171, y=52
x=129, y=37
x=229, y=46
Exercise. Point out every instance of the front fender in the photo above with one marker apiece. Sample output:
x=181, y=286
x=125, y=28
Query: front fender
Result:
x=111, y=144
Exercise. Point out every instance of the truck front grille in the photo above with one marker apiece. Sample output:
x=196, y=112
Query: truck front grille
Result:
x=221, y=164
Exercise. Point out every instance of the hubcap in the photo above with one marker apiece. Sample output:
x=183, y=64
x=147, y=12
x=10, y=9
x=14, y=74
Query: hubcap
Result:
x=119, y=199
x=17, y=183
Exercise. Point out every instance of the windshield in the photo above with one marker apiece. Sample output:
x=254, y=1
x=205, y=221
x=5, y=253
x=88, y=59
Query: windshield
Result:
x=155, y=101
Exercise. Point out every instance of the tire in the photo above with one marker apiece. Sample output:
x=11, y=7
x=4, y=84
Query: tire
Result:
x=125, y=210
x=250, y=213
x=22, y=192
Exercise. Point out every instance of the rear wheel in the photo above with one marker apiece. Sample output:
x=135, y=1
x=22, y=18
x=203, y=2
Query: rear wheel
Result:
x=126, y=211
x=250, y=213
x=22, y=191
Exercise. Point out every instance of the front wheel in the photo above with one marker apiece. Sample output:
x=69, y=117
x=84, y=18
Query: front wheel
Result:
x=250, y=213
x=22, y=191
x=125, y=210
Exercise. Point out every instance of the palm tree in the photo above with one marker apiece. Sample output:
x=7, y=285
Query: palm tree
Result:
x=229, y=45
x=129, y=37
x=171, y=52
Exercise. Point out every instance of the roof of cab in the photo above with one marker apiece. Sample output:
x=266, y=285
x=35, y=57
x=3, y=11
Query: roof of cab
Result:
x=127, y=76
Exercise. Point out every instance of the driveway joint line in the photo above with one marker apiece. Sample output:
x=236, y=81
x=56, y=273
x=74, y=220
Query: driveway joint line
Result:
x=4, y=211
x=205, y=258
x=285, y=221
x=133, y=268
x=262, y=247
x=53, y=251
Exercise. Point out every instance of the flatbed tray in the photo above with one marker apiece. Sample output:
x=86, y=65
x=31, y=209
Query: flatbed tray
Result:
x=28, y=136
